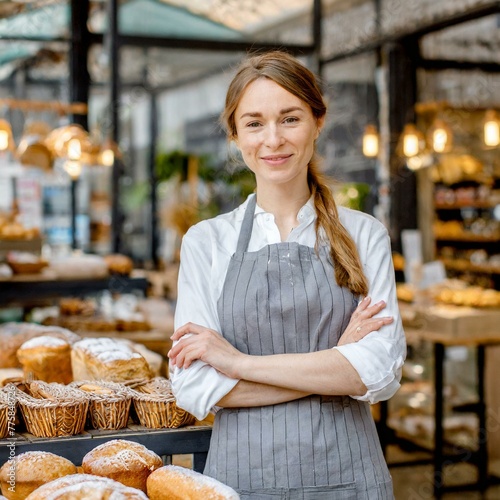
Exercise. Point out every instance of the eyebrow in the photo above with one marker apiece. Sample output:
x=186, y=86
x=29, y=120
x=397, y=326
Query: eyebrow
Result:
x=282, y=112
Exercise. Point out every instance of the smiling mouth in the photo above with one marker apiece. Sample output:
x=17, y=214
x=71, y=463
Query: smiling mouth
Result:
x=276, y=157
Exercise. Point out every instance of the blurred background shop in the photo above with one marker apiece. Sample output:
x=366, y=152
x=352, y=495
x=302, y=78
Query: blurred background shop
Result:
x=110, y=148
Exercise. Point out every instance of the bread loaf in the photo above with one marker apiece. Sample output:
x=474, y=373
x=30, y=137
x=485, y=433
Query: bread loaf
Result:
x=13, y=335
x=107, y=359
x=124, y=461
x=46, y=358
x=29, y=470
x=178, y=483
x=85, y=487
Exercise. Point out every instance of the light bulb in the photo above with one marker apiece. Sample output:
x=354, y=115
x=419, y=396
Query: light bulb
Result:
x=491, y=129
x=4, y=140
x=370, y=142
x=74, y=149
x=107, y=158
x=439, y=140
x=410, y=145
x=73, y=168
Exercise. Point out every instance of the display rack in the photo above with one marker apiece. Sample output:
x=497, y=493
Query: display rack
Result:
x=30, y=289
x=193, y=440
x=450, y=327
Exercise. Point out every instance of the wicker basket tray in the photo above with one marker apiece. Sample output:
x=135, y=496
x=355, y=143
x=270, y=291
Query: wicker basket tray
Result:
x=110, y=403
x=52, y=409
x=27, y=267
x=155, y=405
x=7, y=411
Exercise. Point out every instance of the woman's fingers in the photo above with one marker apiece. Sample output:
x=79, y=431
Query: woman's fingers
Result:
x=371, y=325
x=187, y=328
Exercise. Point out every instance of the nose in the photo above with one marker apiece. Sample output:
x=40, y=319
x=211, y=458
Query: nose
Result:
x=273, y=137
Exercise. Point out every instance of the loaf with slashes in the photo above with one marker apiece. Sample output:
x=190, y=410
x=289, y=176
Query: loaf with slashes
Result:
x=107, y=359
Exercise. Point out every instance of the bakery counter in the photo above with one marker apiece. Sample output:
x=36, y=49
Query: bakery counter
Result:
x=450, y=327
x=193, y=440
x=32, y=288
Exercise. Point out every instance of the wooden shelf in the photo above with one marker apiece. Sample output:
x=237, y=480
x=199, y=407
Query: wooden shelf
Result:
x=465, y=265
x=24, y=289
x=470, y=238
x=185, y=440
x=457, y=206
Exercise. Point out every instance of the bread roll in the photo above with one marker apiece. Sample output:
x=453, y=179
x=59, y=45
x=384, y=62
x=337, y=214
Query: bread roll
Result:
x=46, y=358
x=119, y=264
x=178, y=483
x=13, y=335
x=107, y=359
x=31, y=470
x=124, y=461
x=85, y=487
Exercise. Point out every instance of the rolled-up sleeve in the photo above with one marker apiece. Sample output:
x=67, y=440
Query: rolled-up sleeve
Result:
x=198, y=388
x=378, y=358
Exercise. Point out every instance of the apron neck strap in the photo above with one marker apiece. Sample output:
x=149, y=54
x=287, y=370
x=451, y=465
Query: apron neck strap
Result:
x=246, y=226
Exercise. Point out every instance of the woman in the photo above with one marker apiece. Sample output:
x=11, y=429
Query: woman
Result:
x=272, y=326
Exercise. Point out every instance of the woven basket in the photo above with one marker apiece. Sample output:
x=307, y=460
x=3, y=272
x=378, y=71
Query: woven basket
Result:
x=109, y=403
x=155, y=406
x=5, y=406
x=52, y=409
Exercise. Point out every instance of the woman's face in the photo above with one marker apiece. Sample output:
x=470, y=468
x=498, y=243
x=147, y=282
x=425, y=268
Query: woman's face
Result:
x=275, y=133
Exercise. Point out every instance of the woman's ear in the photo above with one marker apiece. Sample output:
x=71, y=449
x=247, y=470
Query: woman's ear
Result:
x=319, y=125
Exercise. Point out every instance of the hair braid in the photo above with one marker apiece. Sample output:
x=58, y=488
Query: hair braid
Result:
x=347, y=264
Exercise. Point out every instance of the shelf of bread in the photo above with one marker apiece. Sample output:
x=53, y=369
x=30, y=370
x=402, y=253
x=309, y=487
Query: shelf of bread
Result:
x=465, y=265
x=117, y=468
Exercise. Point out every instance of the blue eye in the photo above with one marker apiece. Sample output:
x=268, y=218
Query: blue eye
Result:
x=291, y=119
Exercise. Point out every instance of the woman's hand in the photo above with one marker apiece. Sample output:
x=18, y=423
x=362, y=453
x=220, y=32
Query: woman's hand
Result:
x=362, y=321
x=198, y=342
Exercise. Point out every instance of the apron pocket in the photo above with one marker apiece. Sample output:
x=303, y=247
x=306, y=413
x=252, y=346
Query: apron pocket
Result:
x=345, y=491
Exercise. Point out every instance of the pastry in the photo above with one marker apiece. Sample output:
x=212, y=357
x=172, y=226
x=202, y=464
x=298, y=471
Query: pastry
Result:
x=178, y=483
x=85, y=487
x=31, y=470
x=107, y=359
x=124, y=461
x=119, y=264
x=46, y=358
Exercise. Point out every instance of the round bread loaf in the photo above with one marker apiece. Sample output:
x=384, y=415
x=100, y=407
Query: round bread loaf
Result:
x=29, y=470
x=124, y=461
x=85, y=487
x=178, y=483
x=46, y=358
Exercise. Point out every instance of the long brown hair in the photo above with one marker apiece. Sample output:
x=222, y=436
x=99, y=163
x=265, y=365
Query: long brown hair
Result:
x=289, y=73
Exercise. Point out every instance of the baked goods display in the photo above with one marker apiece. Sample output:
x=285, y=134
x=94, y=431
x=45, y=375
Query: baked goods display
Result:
x=82, y=266
x=109, y=403
x=472, y=296
x=155, y=405
x=46, y=358
x=32, y=470
x=13, y=335
x=124, y=461
x=119, y=264
x=25, y=262
x=172, y=482
x=85, y=487
x=107, y=359
x=106, y=313
x=51, y=410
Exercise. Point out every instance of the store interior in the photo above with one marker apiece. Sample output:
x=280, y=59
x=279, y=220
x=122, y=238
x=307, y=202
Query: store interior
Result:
x=111, y=148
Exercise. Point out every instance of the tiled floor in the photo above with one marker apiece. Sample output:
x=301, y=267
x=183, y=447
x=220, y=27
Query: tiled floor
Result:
x=415, y=482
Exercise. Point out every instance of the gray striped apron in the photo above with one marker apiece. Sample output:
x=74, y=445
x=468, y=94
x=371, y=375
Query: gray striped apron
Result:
x=284, y=299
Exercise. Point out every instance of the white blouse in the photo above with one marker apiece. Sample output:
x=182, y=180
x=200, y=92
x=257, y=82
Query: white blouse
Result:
x=205, y=253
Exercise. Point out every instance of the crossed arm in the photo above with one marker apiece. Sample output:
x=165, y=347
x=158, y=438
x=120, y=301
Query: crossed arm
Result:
x=265, y=380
